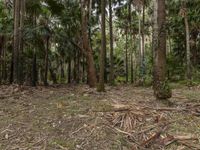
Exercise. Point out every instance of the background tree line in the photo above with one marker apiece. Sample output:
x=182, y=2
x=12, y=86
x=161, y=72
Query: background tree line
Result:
x=143, y=42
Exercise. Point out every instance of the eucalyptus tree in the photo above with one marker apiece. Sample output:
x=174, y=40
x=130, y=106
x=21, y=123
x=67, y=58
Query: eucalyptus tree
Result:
x=161, y=89
x=87, y=49
x=101, y=86
x=16, y=43
x=111, y=79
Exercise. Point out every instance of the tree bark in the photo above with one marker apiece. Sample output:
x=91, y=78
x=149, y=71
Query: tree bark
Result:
x=16, y=41
x=34, y=57
x=143, y=44
x=86, y=45
x=126, y=55
x=69, y=70
x=46, y=62
x=188, y=53
x=101, y=87
x=111, y=44
x=161, y=89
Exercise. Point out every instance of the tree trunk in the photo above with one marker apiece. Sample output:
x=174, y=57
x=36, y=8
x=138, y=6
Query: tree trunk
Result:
x=69, y=70
x=131, y=40
x=126, y=55
x=143, y=44
x=78, y=67
x=1, y=56
x=111, y=43
x=83, y=68
x=188, y=53
x=16, y=41
x=34, y=70
x=101, y=87
x=161, y=89
x=4, y=71
x=21, y=45
x=86, y=45
x=62, y=71
x=46, y=62
x=34, y=57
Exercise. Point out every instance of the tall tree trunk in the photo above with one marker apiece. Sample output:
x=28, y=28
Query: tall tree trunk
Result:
x=111, y=43
x=126, y=55
x=1, y=56
x=4, y=72
x=21, y=45
x=187, y=32
x=34, y=69
x=34, y=57
x=86, y=45
x=16, y=41
x=131, y=40
x=83, y=68
x=62, y=71
x=78, y=67
x=101, y=86
x=46, y=62
x=161, y=89
x=75, y=67
x=143, y=44
x=69, y=70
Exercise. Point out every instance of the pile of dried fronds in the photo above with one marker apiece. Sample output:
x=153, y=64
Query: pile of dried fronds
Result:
x=148, y=128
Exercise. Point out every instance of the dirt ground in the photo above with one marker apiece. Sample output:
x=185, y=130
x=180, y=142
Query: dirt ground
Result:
x=78, y=118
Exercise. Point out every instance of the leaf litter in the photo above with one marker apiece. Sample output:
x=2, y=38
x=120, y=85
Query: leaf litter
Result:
x=77, y=117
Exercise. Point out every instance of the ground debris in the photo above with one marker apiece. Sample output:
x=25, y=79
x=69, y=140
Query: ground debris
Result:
x=77, y=117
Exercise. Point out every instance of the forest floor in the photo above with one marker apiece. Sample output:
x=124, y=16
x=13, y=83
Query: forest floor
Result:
x=79, y=118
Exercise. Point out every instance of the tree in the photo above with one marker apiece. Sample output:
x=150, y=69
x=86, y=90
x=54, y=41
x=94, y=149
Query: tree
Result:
x=161, y=89
x=16, y=41
x=86, y=44
x=111, y=43
x=101, y=86
x=187, y=33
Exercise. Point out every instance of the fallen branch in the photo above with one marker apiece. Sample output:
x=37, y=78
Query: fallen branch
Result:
x=153, y=137
x=189, y=145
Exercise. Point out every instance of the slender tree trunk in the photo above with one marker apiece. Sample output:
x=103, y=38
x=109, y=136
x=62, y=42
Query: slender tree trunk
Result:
x=86, y=45
x=101, y=87
x=78, y=67
x=34, y=57
x=52, y=73
x=126, y=55
x=1, y=56
x=34, y=69
x=16, y=41
x=4, y=73
x=46, y=62
x=188, y=53
x=74, y=67
x=143, y=44
x=161, y=89
x=21, y=42
x=83, y=68
x=111, y=44
x=131, y=39
x=69, y=70
x=62, y=71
